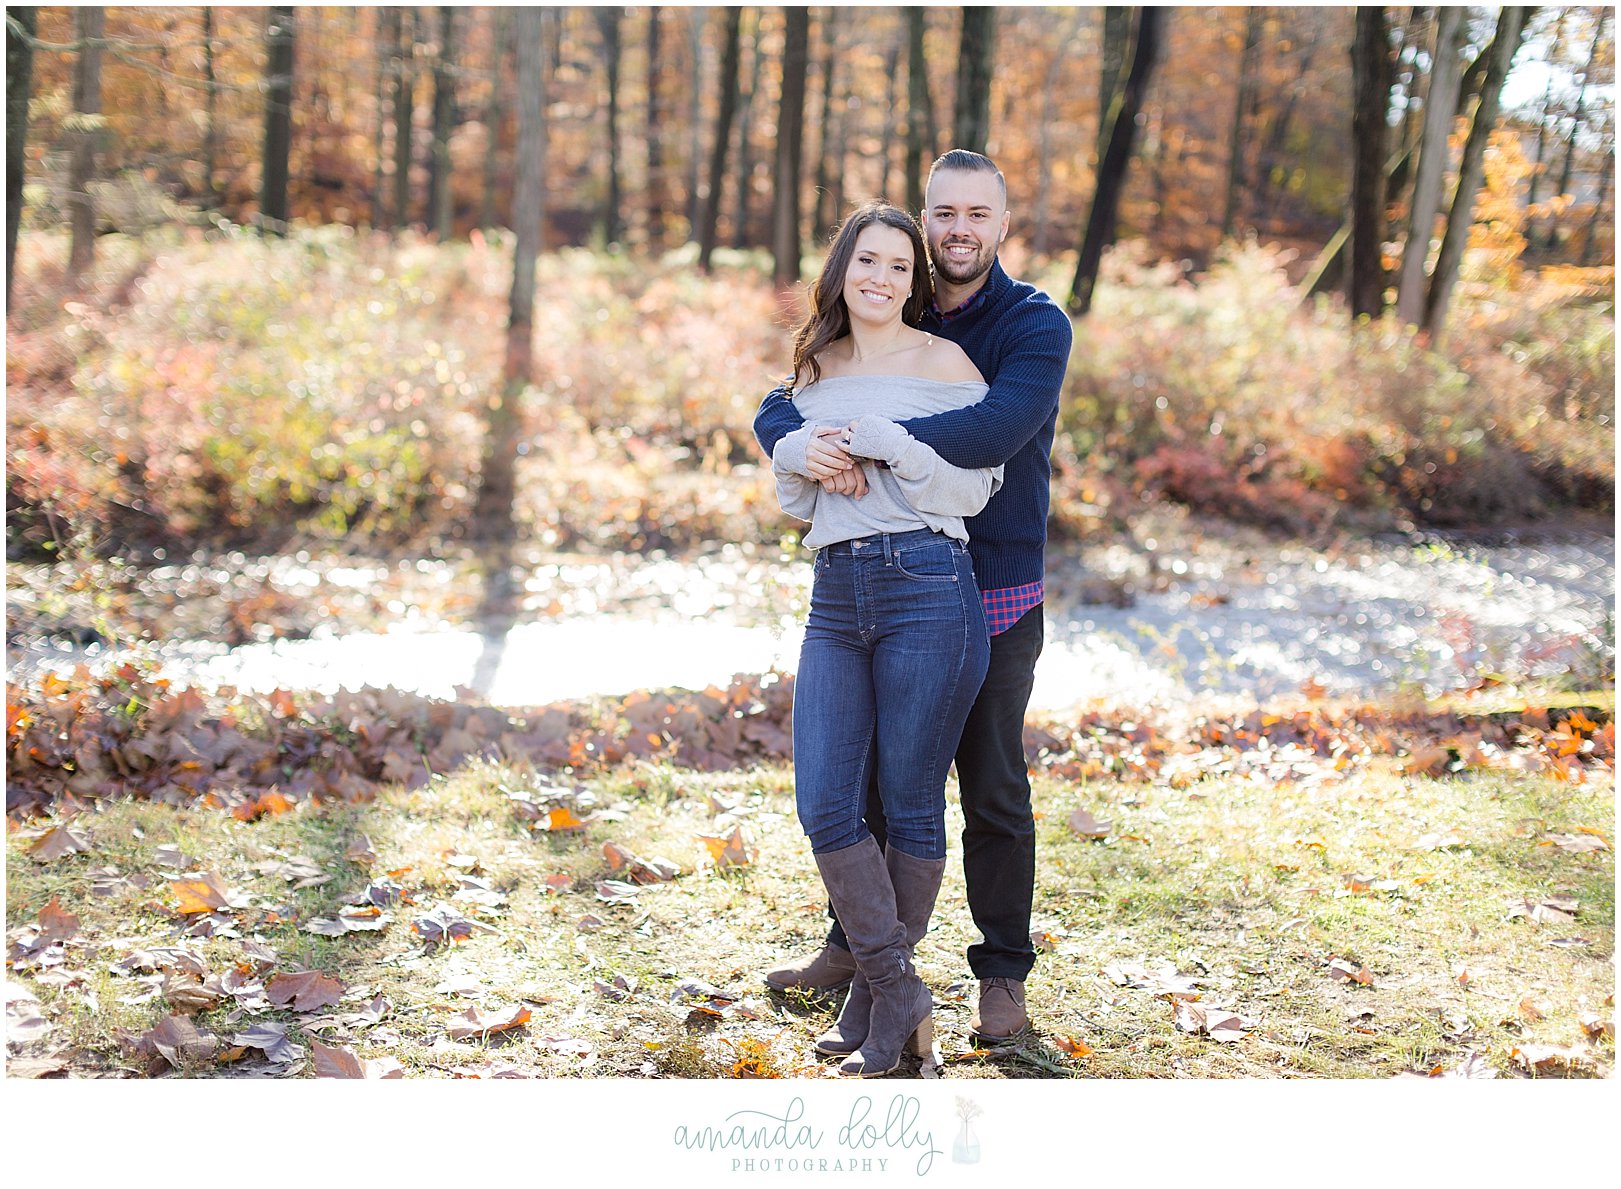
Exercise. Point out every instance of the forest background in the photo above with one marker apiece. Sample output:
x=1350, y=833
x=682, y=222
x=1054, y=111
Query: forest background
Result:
x=506, y=285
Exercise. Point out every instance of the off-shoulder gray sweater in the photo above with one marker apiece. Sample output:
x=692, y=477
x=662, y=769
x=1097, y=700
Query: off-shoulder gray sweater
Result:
x=918, y=490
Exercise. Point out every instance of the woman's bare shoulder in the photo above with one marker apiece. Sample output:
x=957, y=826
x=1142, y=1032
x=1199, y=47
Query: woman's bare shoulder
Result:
x=943, y=360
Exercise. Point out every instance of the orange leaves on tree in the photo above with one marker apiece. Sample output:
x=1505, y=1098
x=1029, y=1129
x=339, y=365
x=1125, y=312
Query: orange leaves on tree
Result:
x=304, y=990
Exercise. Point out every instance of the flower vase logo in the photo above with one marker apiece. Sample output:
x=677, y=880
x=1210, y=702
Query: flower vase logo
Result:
x=965, y=1150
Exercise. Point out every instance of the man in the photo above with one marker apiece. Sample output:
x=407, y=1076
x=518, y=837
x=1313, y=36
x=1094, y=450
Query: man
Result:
x=1020, y=341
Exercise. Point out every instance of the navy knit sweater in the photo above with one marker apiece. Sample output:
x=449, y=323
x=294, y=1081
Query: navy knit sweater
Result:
x=1019, y=339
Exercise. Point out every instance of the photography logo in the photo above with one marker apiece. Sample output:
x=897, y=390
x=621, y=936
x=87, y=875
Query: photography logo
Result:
x=965, y=1148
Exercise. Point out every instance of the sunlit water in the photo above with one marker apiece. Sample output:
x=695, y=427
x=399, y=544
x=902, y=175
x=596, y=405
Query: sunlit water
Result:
x=1220, y=620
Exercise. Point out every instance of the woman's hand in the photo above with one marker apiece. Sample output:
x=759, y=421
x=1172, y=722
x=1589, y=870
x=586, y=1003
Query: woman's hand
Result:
x=828, y=462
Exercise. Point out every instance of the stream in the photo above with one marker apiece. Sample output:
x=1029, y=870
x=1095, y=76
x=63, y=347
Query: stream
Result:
x=1138, y=621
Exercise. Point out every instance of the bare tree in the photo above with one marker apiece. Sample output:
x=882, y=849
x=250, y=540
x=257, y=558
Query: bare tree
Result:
x=498, y=478
x=824, y=149
x=609, y=19
x=211, y=133
x=919, y=108
x=741, y=226
x=723, y=134
x=976, y=56
x=1432, y=158
x=1244, y=99
x=786, y=243
x=695, y=45
x=21, y=26
x=404, y=80
x=1112, y=55
x=1065, y=37
x=1505, y=44
x=444, y=125
x=1370, y=55
x=1552, y=240
x=1116, y=159
x=90, y=25
x=495, y=113
x=279, y=32
x=655, y=148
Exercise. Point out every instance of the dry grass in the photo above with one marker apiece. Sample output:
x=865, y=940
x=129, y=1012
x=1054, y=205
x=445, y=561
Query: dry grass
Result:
x=1239, y=887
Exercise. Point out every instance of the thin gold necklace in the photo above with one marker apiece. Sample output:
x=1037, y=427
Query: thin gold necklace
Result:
x=855, y=351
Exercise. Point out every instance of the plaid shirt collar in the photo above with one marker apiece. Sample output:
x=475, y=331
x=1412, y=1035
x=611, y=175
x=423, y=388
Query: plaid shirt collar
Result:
x=976, y=299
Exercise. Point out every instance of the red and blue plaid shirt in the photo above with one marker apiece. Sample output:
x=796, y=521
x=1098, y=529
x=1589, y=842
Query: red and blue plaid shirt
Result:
x=1004, y=607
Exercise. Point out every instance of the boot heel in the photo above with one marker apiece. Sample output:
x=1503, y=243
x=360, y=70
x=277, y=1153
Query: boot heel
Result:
x=921, y=1043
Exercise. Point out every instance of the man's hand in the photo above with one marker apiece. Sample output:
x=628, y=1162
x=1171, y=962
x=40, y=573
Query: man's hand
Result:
x=850, y=482
x=824, y=457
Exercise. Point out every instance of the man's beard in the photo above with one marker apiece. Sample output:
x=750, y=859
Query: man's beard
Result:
x=963, y=272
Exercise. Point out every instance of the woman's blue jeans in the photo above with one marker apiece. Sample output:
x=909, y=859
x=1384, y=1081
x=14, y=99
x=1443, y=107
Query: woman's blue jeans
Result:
x=895, y=650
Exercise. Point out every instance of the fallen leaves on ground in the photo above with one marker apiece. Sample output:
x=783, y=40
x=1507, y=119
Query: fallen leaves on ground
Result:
x=477, y=1022
x=333, y=1062
x=304, y=990
x=1350, y=972
x=729, y=851
x=202, y=892
x=72, y=736
x=176, y=1041
x=1216, y=1023
x=59, y=841
x=1087, y=826
x=1551, y=1060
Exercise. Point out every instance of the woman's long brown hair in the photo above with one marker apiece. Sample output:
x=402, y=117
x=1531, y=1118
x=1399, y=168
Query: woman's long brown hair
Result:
x=828, y=318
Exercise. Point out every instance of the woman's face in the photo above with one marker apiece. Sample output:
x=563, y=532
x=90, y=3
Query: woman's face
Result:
x=878, y=280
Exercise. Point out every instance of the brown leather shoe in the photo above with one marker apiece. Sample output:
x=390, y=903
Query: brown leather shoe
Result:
x=830, y=969
x=1000, y=1015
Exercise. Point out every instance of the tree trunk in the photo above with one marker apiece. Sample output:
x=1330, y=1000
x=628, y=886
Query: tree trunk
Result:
x=498, y=479
x=387, y=35
x=279, y=33
x=1112, y=55
x=211, y=133
x=976, y=56
x=741, y=237
x=19, y=78
x=404, y=94
x=1432, y=159
x=495, y=114
x=919, y=109
x=1552, y=240
x=1505, y=44
x=444, y=124
x=89, y=25
x=1112, y=166
x=1243, y=100
x=1370, y=68
x=1539, y=162
x=1590, y=244
x=608, y=22
x=1066, y=36
x=723, y=134
x=695, y=43
x=886, y=149
x=655, y=155
x=820, y=218
x=786, y=241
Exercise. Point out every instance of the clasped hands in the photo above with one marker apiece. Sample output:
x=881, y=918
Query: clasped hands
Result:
x=829, y=461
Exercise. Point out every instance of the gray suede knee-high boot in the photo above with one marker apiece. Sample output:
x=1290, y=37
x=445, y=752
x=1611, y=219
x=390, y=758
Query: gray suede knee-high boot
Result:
x=916, y=883
x=863, y=894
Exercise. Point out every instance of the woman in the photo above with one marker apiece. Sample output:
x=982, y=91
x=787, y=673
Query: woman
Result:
x=896, y=646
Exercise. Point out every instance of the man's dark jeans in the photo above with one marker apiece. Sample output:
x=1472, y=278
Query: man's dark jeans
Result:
x=999, y=831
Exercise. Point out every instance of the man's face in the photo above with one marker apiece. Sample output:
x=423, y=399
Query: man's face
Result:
x=966, y=219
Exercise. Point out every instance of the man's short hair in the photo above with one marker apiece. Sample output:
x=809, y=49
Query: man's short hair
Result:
x=971, y=162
